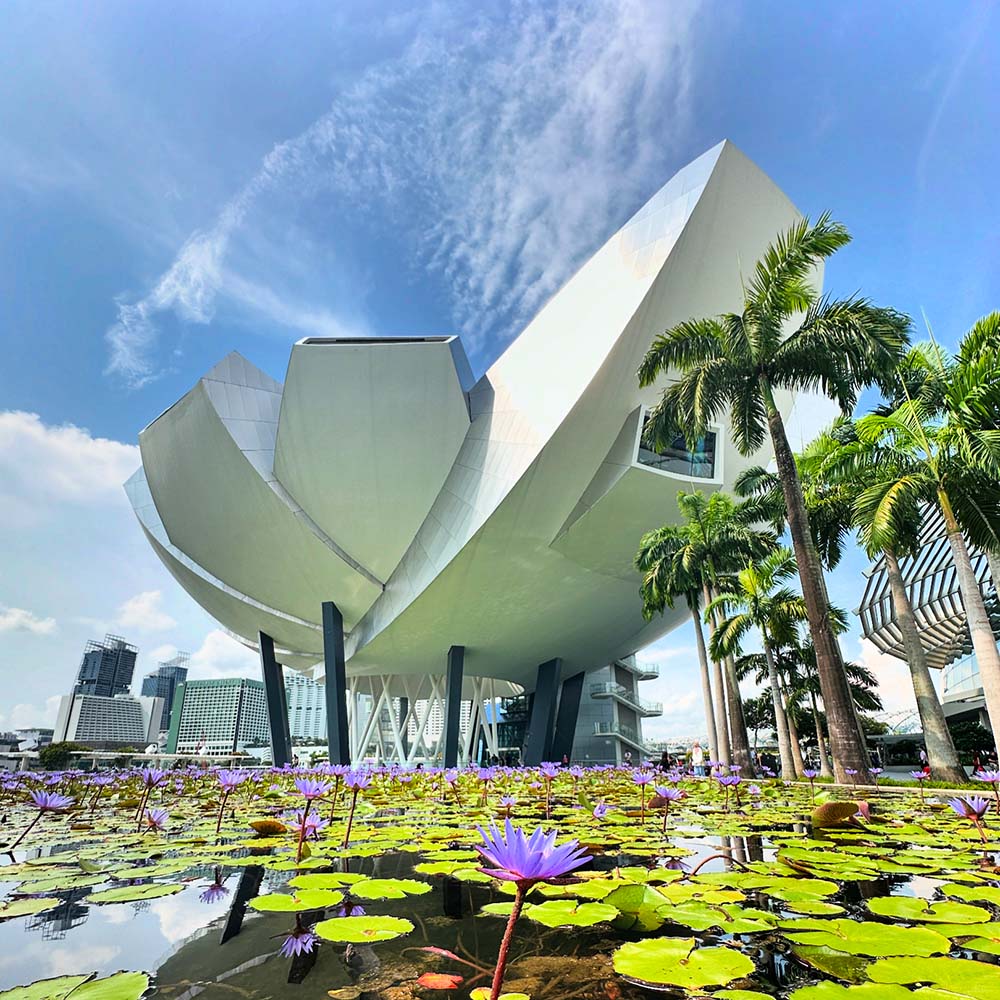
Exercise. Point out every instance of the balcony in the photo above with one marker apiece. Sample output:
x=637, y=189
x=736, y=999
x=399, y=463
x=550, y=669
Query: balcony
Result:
x=643, y=671
x=624, y=733
x=621, y=693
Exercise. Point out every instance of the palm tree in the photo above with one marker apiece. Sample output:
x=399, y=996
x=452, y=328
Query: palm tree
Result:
x=858, y=467
x=661, y=561
x=739, y=360
x=714, y=538
x=758, y=602
x=938, y=447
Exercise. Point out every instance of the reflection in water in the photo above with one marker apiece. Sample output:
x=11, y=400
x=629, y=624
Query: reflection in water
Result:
x=54, y=924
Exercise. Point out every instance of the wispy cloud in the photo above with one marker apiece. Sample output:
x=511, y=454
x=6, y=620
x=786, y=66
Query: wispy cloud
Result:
x=22, y=620
x=503, y=148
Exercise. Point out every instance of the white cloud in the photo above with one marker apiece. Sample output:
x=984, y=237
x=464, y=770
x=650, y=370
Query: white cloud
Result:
x=504, y=149
x=894, y=682
x=220, y=655
x=21, y=620
x=144, y=612
x=70, y=541
x=42, y=465
x=26, y=716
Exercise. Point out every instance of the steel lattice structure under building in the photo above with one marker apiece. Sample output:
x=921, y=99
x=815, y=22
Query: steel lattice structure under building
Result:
x=387, y=521
x=932, y=585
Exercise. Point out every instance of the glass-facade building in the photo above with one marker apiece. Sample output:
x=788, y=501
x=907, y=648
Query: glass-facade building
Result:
x=162, y=683
x=106, y=668
x=218, y=717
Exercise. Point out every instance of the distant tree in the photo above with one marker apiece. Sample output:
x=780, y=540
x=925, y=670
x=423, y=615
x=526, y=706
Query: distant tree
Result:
x=759, y=714
x=970, y=739
x=56, y=756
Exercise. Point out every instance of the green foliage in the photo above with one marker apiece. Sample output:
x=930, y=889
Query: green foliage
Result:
x=57, y=756
x=970, y=739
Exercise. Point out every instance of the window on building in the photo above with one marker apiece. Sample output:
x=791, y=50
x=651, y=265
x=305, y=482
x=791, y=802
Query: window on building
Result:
x=697, y=462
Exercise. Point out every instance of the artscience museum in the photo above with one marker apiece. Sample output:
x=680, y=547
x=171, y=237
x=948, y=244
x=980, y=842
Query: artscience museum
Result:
x=416, y=534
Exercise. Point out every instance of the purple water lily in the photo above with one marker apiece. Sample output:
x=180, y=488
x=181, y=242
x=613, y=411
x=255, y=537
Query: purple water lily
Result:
x=526, y=860
x=152, y=776
x=231, y=780
x=300, y=942
x=155, y=820
x=600, y=810
x=44, y=802
x=973, y=807
x=311, y=788
x=51, y=801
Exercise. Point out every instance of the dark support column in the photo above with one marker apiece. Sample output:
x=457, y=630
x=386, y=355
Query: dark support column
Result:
x=541, y=722
x=569, y=709
x=453, y=704
x=274, y=694
x=337, y=734
x=404, y=718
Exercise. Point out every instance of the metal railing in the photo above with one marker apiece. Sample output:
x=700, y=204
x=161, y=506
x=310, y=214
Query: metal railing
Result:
x=610, y=689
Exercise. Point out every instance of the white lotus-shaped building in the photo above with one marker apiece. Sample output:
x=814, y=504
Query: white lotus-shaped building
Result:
x=498, y=515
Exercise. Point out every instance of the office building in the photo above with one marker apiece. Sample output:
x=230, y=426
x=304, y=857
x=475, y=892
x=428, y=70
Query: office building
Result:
x=162, y=683
x=306, y=701
x=218, y=717
x=106, y=668
x=103, y=723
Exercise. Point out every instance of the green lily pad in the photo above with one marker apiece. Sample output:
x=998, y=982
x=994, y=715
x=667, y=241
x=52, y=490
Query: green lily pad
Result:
x=866, y=991
x=730, y=918
x=567, y=913
x=45, y=989
x=913, y=909
x=134, y=893
x=60, y=883
x=362, y=930
x=303, y=899
x=389, y=888
x=328, y=880
x=862, y=937
x=974, y=893
x=679, y=962
x=814, y=908
x=637, y=906
x=851, y=968
x=121, y=986
x=10, y=908
x=966, y=979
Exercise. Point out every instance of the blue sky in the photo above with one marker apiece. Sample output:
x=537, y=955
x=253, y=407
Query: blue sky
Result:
x=179, y=180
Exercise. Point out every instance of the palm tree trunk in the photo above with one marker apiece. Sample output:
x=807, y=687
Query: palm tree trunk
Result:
x=824, y=763
x=984, y=642
x=780, y=721
x=846, y=739
x=706, y=684
x=722, y=750
x=941, y=753
x=793, y=739
x=737, y=721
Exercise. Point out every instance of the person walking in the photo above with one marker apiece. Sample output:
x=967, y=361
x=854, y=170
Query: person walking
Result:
x=698, y=759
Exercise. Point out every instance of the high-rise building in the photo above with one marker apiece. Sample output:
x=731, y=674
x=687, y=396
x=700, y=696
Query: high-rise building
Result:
x=306, y=707
x=609, y=724
x=218, y=717
x=108, y=723
x=106, y=668
x=162, y=683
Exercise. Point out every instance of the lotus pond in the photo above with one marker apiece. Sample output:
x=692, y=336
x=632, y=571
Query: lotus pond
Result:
x=356, y=886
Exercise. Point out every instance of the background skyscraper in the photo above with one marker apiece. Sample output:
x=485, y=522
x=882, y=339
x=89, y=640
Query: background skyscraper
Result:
x=162, y=683
x=107, y=667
